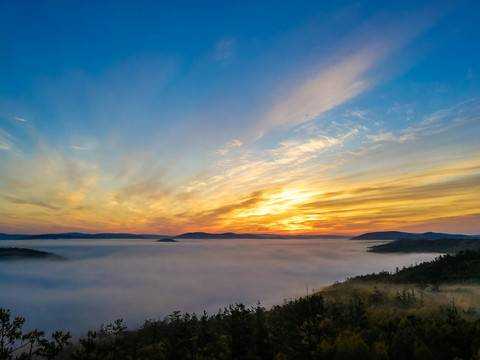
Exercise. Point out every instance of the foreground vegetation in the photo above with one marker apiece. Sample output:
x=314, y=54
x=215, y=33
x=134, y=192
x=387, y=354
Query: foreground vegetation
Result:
x=422, y=312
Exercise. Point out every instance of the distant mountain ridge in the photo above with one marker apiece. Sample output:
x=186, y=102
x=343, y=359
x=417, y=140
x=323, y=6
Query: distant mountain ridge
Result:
x=398, y=235
x=76, y=235
x=4, y=236
x=379, y=235
x=228, y=235
x=231, y=235
x=190, y=235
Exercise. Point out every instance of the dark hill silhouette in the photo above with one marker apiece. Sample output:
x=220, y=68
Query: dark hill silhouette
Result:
x=228, y=235
x=190, y=235
x=231, y=235
x=398, y=235
x=75, y=235
x=4, y=236
x=422, y=245
x=11, y=253
x=169, y=240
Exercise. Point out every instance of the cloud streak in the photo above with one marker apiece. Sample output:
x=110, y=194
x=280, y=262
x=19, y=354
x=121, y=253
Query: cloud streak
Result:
x=5, y=140
x=356, y=68
x=324, y=91
x=338, y=179
x=225, y=49
x=327, y=183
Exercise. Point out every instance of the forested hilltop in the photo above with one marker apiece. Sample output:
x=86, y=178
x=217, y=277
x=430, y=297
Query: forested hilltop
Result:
x=423, y=245
x=428, y=311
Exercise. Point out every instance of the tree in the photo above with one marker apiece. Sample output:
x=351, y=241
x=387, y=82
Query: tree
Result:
x=350, y=346
x=50, y=349
x=87, y=348
x=10, y=331
x=239, y=330
x=12, y=339
x=114, y=332
x=31, y=340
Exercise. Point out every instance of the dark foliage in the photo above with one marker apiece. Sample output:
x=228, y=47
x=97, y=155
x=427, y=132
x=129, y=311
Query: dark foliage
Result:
x=462, y=267
x=33, y=345
x=307, y=328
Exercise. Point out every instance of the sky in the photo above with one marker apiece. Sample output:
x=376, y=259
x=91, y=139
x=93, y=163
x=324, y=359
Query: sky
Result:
x=300, y=117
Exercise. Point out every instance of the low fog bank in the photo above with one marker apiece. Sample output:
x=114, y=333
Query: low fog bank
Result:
x=140, y=279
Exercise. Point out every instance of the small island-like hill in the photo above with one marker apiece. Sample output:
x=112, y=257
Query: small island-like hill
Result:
x=12, y=253
x=167, y=240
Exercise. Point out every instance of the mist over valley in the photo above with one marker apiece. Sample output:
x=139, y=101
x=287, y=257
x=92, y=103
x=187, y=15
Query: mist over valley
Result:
x=137, y=279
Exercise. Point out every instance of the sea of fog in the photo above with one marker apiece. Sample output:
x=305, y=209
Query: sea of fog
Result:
x=138, y=279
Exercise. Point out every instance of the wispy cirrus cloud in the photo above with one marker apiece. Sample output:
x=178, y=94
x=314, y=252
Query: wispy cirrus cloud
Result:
x=45, y=184
x=317, y=183
x=322, y=92
x=319, y=203
x=397, y=201
x=235, y=143
x=353, y=180
x=30, y=201
x=85, y=147
x=150, y=188
x=356, y=68
x=457, y=120
x=225, y=49
x=5, y=140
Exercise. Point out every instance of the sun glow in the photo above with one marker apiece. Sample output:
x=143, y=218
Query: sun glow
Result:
x=281, y=202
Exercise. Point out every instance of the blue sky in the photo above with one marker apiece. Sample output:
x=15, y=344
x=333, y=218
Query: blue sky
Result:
x=306, y=117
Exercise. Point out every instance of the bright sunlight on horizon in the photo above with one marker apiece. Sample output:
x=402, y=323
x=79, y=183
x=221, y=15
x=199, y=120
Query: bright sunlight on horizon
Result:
x=305, y=117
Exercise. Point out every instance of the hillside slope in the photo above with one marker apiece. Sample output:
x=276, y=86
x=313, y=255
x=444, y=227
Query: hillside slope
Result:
x=398, y=235
x=422, y=245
